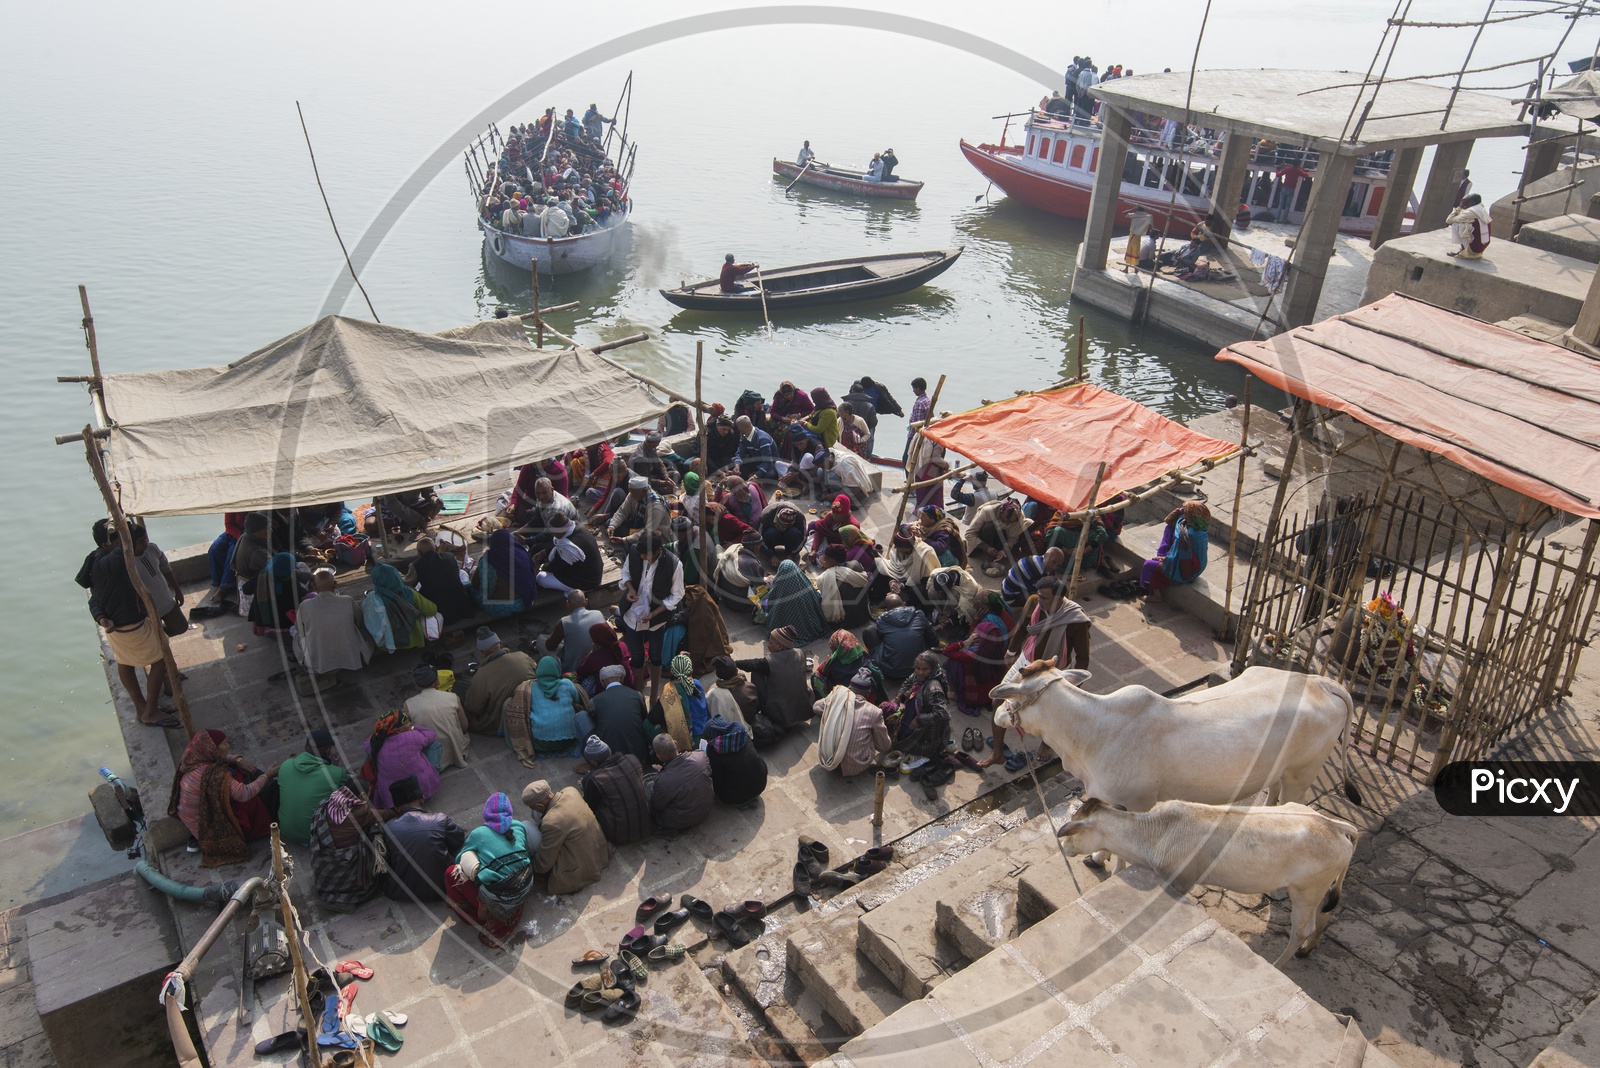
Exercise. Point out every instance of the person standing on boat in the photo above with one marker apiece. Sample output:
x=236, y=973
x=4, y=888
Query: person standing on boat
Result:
x=732, y=272
x=805, y=155
x=890, y=162
x=594, y=122
x=1289, y=178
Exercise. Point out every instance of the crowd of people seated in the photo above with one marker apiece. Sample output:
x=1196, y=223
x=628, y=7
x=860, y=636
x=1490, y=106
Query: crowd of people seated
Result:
x=554, y=179
x=769, y=520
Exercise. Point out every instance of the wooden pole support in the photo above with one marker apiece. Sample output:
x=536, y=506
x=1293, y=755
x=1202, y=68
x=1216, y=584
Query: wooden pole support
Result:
x=537, y=322
x=705, y=476
x=877, y=801
x=1079, y=376
x=1228, y=622
x=1083, y=533
x=293, y=930
x=97, y=466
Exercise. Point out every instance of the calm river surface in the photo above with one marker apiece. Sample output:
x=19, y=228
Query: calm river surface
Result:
x=152, y=153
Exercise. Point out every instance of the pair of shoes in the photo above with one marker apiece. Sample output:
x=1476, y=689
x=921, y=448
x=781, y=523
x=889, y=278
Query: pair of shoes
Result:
x=890, y=761
x=641, y=942
x=669, y=921
x=972, y=740
x=668, y=953
x=631, y=961
x=937, y=774
x=739, y=930
x=1017, y=760
x=838, y=878
x=909, y=764
x=814, y=855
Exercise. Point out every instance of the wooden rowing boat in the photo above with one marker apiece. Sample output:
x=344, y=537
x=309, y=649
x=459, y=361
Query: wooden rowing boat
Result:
x=829, y=282
x=844, y=180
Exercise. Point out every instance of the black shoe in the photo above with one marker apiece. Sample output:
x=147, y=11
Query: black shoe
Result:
x=671, y=920
x=802, y=880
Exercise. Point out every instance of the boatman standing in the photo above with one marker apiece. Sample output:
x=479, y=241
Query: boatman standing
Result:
x=732, y=272
x=805, y=155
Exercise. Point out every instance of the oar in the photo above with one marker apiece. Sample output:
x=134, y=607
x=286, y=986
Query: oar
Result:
x=763, y=291
x=799, y=176
x=983, y=194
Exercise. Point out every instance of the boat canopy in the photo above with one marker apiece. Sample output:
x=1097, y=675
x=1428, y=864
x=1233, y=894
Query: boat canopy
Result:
x=1523, y=413
x=1049, y=445
x=346, y=408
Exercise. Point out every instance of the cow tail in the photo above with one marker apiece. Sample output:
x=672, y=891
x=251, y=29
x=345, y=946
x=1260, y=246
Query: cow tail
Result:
x=1331, y=900
x=1350, y=790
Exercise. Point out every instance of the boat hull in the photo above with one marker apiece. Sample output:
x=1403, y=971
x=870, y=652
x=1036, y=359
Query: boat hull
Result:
x=857, y=280
x=843, y=181
x=1067, y=193
x=561, y=255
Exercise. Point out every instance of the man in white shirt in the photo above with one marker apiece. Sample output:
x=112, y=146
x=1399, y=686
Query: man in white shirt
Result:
x=805, y=155
x=652, y=585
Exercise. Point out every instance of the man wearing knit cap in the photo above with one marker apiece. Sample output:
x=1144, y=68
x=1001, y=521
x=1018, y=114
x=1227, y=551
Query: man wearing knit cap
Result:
x=421, y=845
x=782, y=680
x=574, y=851
x=500, y=672
x=615, y=790
x=619, y=715
x=441, y=712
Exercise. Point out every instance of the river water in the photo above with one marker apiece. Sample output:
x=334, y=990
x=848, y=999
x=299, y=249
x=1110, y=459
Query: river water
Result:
x=152, y=153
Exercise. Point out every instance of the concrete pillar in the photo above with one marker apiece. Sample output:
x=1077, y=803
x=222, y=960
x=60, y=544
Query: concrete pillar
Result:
x=1543, y=157
x=1444, y=178
x=1231, y=170
x=1402, y=176
x=1107, y=187
x=1587, y=328
x=1308, y=266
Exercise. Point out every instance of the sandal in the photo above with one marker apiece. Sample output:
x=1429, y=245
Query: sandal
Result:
x=353, y=967
x=382, y=1034
x=675, y=951
x=1017, y=760
x=651, y=907
x=624, y=1008
x=592, y=958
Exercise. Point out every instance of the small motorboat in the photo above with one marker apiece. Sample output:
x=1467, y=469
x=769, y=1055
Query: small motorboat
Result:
x=845, y=180
x=809, y=284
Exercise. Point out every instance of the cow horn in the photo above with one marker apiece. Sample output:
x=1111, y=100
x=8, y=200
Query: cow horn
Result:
x=1088, y=808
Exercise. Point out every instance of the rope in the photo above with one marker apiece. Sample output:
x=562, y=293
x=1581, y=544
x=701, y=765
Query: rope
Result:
x=1038, y=789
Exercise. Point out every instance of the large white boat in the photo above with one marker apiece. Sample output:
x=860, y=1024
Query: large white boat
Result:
x=493, y=163
x=1052, y=168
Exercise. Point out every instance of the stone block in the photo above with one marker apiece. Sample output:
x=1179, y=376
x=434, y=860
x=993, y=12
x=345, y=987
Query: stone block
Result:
x=794, y=1032
x=109, y=814
x=1578, y=1044
x=1152, y=1022
x=98, y=960
x=1044, y=889
x=1243, y=989
x=1000, y=1006
x=851, y=989
x=1577, y=236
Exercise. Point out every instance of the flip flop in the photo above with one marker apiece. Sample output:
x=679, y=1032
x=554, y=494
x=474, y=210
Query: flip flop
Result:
x=347, y=997
x=696, y=907
x=382, y=1034
x=1016, y=761
x=170, y=723
x=651, y=907
x=392, y=1018
x=353, y=967
x=592, y=958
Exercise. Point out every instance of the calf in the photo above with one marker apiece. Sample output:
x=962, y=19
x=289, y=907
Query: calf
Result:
x=1247, y=849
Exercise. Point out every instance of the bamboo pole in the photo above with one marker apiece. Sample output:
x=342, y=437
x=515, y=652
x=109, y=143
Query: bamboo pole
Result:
x=877, y=800
x=1079, y=375
x=1083, y=534
x=537, y=321
x=1564, y=633
x=121, y=520
x=1228, y=628
x=89, y=338
x=293, y=930
x=1241, y=649
x=705, y=477
x=652, y=383
x=915, y=453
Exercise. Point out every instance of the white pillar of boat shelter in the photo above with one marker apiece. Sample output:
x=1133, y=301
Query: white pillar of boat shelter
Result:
x=1115, y=130
x=1308, y=266
x=1444, y=178
x=1397, y=197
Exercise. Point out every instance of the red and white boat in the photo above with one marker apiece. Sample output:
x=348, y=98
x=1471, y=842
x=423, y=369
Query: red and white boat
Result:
x=1053, y=167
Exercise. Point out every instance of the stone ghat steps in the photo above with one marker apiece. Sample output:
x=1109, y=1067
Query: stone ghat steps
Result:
x=1129, y=974
x=954, y=892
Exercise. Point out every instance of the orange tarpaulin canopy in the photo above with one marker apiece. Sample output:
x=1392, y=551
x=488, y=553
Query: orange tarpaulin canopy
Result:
x=1050, y=444
x=1523, y=413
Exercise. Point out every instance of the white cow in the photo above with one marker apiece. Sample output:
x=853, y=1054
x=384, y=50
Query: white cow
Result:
x=1247, y=849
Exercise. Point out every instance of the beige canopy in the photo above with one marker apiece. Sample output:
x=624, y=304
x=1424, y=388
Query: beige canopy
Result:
x=346, y=409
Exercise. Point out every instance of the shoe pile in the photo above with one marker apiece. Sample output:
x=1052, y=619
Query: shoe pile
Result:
x=347, y=1039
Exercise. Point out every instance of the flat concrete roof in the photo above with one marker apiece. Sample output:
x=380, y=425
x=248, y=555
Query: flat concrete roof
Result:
x=1304, y=105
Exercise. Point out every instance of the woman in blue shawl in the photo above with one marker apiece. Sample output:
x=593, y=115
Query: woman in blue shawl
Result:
x=1182, y=554
x=503, y=582
x=404, y=609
